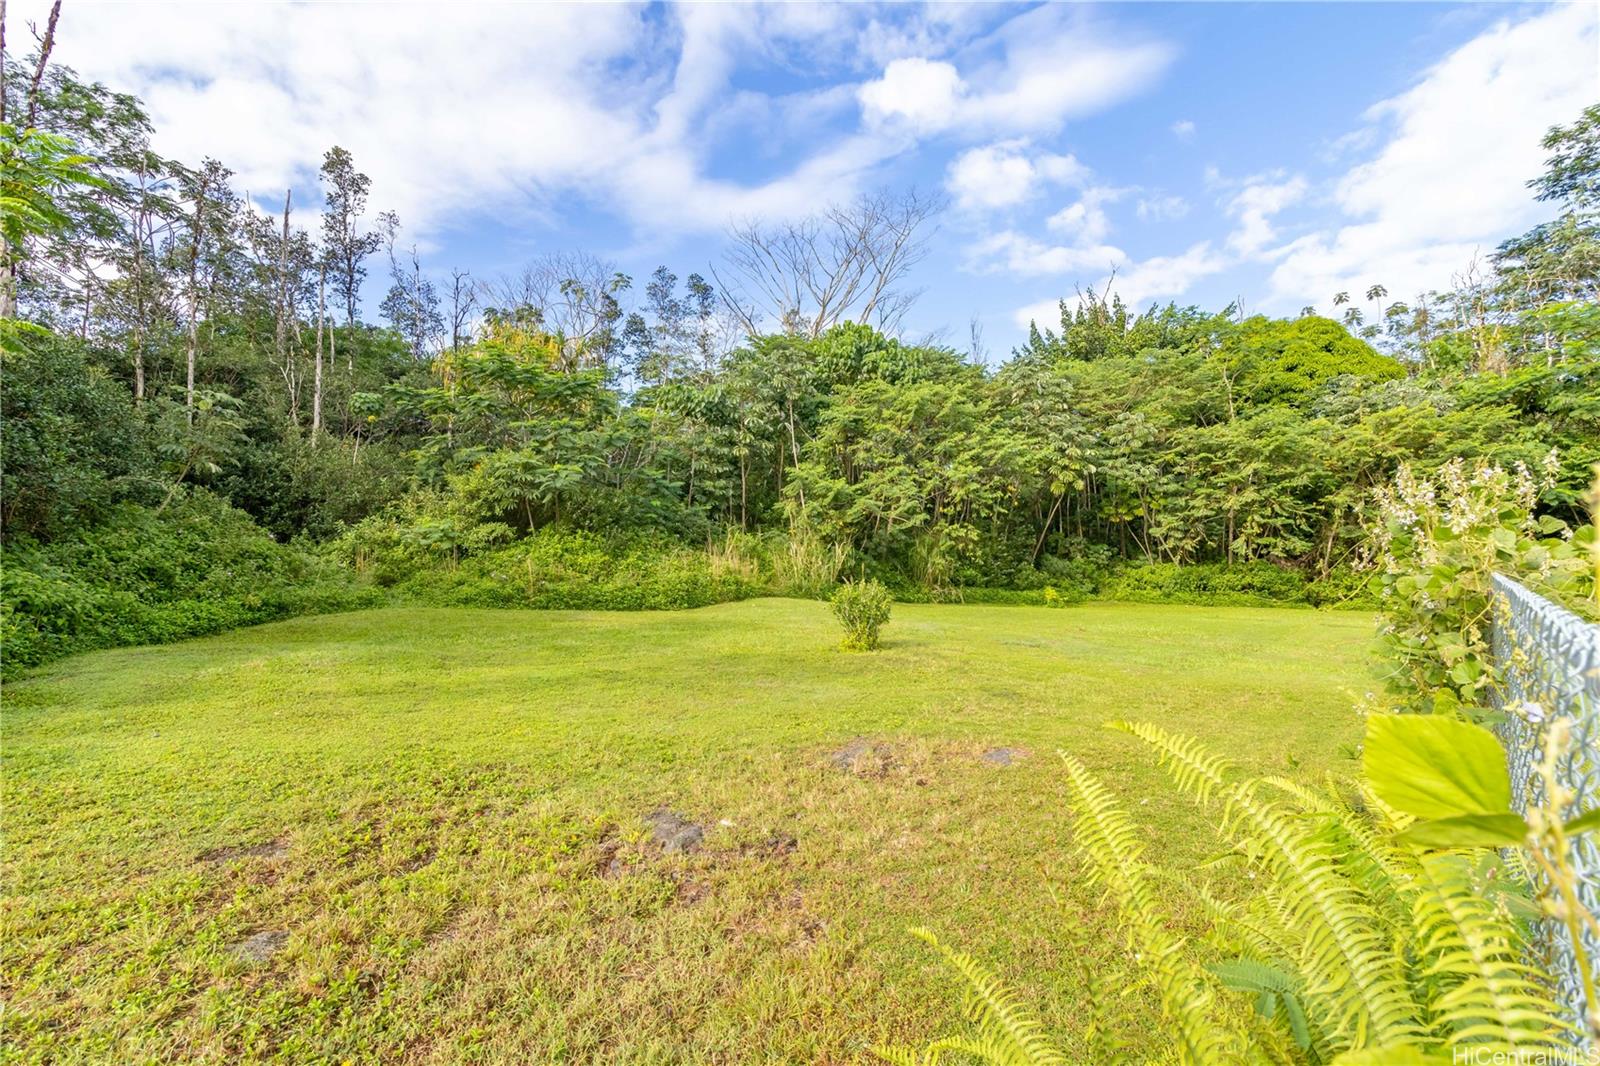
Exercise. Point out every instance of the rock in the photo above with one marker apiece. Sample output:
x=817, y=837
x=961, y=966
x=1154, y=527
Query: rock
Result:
x=261, y=946
x=1003, y=756
x=674, y=833
x=845, y=758
x=272, y=849
x=864, y=758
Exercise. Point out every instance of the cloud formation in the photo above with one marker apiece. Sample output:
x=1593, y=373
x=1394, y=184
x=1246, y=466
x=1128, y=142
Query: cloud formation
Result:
x=510, y=108
x=1003, y=174
x=1455, y=152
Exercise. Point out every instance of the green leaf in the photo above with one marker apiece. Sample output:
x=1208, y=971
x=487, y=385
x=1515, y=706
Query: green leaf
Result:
x=1430, y=767
x=1468, y=831
x=1583, y=823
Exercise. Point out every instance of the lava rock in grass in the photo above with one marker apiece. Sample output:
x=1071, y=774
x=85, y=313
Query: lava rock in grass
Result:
x=864, y=758
x=674, y=833
x=261, y=946
x=272, y=849
x=1004, y=756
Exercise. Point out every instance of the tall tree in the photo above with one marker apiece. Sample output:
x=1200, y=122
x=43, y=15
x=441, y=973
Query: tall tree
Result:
x=346, y=243
x=412, y=304
x=850, y=262
x=208, y=253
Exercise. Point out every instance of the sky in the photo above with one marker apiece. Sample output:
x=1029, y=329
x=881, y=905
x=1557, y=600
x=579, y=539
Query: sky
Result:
x=1267, y=154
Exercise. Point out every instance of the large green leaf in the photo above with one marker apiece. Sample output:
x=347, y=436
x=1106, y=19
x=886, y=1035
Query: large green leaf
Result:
x=1431, y=767
x=1584, y=822
x=1468, y=831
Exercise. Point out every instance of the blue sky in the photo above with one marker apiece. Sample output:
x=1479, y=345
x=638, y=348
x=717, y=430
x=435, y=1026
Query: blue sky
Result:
x=1269, y=153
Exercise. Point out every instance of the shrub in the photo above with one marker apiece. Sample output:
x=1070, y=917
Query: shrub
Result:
x=862, y=607
x=554, y=568
x=1437, y=543
x=73, y=446
x=1243, y=584
x=143, y=577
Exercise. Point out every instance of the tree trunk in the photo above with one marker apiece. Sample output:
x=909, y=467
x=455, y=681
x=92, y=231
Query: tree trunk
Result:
x=194, y=302
x=280, y=307
x=316, y=388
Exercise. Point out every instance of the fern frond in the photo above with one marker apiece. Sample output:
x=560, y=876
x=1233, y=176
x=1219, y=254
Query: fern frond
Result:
x=1108, y=838
x=1276, y=992
x=1474, y=956
x=1007, y=1033
x=1184, y=758
x=1102, y=830
x=1343, y=951
x=1378, y=869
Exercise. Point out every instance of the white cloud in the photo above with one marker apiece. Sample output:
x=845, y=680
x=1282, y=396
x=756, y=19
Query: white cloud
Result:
x=511, y=109
x=1019, y=254
x=1046, y=314
x=1083, y=226
x=921, y=95
x=1449, y=179
x=1170, y=275
x=1003, y=174
x=1086, y=221
x=1161, y=208
x=1162, y=276
x=1183, y=129
x=1032, y=74
x=1254, y=207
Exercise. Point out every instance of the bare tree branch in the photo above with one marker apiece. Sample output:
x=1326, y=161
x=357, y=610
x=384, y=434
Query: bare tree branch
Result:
x=848, y=262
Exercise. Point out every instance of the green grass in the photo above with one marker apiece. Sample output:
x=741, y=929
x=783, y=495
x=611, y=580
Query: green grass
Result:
x=433, y=795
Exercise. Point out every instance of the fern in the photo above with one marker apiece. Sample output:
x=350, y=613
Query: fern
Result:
x=1486, y=993
x=1278, y=994
x=1342, y=953
x=1105, y=834
x=1005, y=1034
x=1353, y=948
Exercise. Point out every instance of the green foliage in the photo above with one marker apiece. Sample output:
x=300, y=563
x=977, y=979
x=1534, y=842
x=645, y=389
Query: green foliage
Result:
x=1357, y=945
x=554, y=568
x=37, y=172
x=1438, y=542
x=143, y=577
x=1436, y=767
x=72, y=445
x=1245, y=584
x=1287, y=360
x=862, y=608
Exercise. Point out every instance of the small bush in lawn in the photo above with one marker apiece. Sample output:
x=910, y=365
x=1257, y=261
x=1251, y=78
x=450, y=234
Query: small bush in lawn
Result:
x=862, y=607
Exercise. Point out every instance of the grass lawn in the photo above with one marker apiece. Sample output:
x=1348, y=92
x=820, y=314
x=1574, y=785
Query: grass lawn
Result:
x=418, y=835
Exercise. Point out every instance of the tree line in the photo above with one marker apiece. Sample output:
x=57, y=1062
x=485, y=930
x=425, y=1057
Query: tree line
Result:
x=166, y=335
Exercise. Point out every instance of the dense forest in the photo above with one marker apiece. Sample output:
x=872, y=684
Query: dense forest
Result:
x=203, y=427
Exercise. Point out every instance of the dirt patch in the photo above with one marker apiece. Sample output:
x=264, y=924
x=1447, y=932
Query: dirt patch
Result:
x=865, y=758
x=261, y=946
x=608, y=863
x=272, y=849
x=418, y=861
x=673, y=833
x=777, y=845
x=690, y=890
x=1004, y=756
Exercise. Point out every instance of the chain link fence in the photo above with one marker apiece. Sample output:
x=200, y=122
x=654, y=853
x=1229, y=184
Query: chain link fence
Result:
x=1551, y=663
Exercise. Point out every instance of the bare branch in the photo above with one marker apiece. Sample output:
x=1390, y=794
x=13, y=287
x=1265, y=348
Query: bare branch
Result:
x=848, y=262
